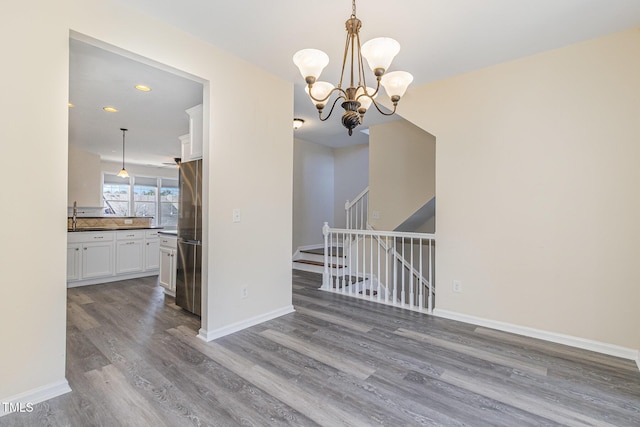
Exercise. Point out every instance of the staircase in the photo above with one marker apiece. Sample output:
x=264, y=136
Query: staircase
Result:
x=311, y=259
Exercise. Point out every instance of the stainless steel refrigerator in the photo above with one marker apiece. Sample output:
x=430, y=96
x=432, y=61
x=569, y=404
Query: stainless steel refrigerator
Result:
x=188, y=275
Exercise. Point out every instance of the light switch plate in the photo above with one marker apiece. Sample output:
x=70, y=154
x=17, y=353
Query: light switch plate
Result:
x=236, y=215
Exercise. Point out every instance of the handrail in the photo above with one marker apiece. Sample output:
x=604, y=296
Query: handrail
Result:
x=357, y=211
x=348, y=205
x=401, y=259
x=372, y=232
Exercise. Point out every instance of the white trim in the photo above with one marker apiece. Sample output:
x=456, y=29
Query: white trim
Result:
x=113, y=278
x=36, y=395
x=585, y=344
x=238, y=326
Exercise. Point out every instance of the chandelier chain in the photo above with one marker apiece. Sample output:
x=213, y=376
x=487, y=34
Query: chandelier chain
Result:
x=353, y=8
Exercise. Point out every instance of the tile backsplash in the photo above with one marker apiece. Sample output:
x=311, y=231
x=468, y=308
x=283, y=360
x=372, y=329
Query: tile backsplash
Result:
x=111, y=222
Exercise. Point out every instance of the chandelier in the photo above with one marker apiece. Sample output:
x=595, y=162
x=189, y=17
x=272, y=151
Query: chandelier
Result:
x=357, y=98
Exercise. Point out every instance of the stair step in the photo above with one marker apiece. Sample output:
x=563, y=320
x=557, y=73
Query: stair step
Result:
x=318, y=263
x=335, y=251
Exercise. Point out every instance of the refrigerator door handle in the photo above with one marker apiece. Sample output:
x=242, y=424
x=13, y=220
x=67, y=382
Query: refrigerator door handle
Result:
x=191, y=242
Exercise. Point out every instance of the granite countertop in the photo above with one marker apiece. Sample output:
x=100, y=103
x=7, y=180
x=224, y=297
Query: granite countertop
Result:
x=133, y=227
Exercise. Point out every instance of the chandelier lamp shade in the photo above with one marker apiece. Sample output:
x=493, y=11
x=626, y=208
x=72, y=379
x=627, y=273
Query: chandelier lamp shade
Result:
x=355, y=95
x=123, y=173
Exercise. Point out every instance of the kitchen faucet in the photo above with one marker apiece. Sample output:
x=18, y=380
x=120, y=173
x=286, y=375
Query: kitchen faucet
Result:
x=74, y=218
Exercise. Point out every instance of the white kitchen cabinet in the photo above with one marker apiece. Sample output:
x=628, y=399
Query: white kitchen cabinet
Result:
x=129, y=256
x=106, y=256
x=89, y=256
x=129, y=251
x=97, y=259
x=151, y=250
x=74, y=261
x=168, y=264
x=192, y=143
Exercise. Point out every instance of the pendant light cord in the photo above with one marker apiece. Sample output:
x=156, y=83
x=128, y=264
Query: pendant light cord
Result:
x=123, y=131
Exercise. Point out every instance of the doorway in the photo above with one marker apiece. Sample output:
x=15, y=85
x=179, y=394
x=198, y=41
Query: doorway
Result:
x=110, y=90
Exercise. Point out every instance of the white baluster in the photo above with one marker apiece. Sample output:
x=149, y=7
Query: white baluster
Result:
x=411, y=284
x=430, y=302
x=325, y=275
x=421, y=277
x=379, y=278
x=403, y=275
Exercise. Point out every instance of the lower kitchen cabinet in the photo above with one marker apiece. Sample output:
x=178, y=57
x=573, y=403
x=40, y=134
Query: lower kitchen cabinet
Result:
x=97, y=259
x=151, y=250
x=106, y=256
x=168, y=264
x=74, y=261
x=130, y=256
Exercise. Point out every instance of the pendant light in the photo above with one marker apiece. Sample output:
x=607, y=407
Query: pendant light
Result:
x=123, y=173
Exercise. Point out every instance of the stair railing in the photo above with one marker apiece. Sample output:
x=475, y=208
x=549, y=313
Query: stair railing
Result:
x=357, y=211
x=400, y=257
x=373, y=265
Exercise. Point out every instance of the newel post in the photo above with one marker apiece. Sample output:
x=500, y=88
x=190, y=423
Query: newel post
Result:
x=346, y=212
x=325, y=275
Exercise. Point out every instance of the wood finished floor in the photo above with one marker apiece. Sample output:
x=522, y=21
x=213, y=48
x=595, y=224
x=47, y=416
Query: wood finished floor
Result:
x=133, y=360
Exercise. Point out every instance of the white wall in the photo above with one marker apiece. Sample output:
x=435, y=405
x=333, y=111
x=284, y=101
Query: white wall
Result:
x=537, y=183
x=401, y=172
x=142, y=170
x=85, y=179
x=249, y=167
x=351, y=166
x=313, y=183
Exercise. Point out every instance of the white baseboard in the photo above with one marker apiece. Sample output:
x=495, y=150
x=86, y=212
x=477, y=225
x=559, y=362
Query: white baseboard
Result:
x=114, y=278
x=585, y=344
x=238, y=326
x=36, y=395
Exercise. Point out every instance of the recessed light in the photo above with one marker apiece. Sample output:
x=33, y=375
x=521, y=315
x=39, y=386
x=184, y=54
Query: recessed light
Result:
x=110, y=109
x=70, y=105
x=143, y=88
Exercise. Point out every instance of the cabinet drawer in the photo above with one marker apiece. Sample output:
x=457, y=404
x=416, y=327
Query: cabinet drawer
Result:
x=130, y=235
x=151, y=234
x=89, y=236
x=168, y=242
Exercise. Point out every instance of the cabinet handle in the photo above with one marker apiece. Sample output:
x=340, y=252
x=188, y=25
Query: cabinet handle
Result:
x=131, y=243
x=85, y=249
x=77, y=249
x=98, y=237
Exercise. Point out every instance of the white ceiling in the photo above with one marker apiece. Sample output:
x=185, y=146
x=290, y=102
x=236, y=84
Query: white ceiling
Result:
x=439, y=39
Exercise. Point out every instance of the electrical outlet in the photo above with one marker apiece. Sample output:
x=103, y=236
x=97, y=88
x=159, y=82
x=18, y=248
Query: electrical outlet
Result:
x=375, y=215
x=245, y=292
x=128, y=221
x=457, y=286
x=236, y=215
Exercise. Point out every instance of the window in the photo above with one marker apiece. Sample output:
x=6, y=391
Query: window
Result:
x=168, y=214
x=145, y=197
x=115, y=193
x=139, y=196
